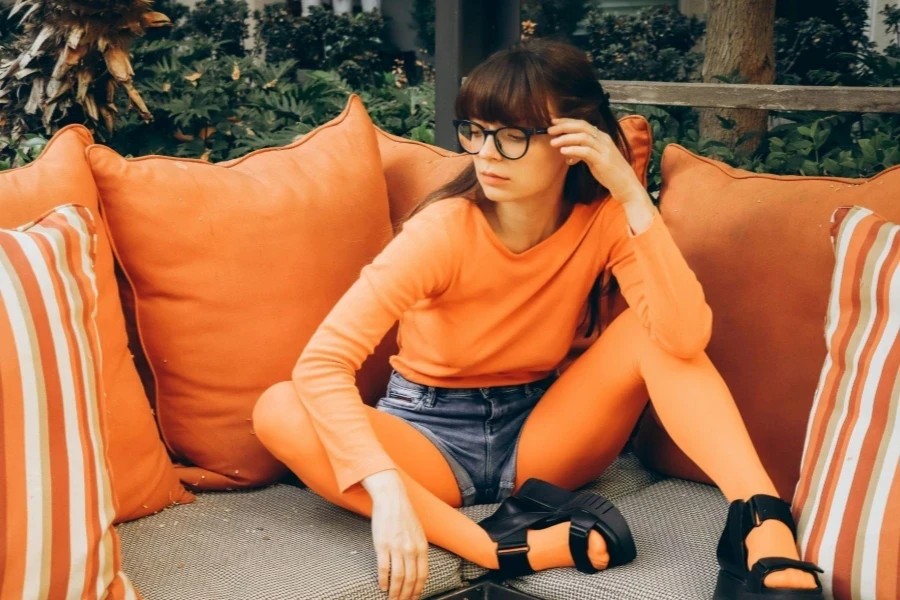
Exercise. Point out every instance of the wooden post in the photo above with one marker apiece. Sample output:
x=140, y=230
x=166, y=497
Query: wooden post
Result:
x=466, y=32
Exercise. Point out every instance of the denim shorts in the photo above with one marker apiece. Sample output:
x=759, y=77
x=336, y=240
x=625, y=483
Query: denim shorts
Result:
x=476, y=429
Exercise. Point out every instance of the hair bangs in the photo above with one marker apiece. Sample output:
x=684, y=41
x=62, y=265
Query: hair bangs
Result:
x=511, y=92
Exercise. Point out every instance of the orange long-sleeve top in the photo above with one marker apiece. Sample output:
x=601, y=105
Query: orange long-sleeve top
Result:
x=475, y=314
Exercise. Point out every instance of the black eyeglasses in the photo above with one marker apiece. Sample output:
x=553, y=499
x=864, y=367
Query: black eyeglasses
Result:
x=511, y=141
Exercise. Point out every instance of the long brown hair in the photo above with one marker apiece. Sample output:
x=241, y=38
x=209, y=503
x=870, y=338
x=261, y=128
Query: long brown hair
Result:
x=517, y=86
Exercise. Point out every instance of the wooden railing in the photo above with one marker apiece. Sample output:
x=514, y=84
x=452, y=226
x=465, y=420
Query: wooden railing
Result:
x=766, y=97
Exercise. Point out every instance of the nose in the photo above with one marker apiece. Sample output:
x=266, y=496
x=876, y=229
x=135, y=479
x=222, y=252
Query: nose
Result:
x=489, y=149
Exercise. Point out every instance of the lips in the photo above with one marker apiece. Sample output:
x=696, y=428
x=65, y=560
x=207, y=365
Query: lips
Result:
x=487, y=174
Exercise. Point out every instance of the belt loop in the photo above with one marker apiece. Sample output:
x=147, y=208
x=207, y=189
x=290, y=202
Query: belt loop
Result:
x=527, y=389
x=430, y=396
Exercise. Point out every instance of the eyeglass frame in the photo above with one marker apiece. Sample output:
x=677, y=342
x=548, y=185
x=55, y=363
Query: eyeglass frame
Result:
x=528, y=131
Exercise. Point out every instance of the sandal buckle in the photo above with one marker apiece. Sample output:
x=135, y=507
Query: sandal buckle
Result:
x=517, y=549
x=761, y=508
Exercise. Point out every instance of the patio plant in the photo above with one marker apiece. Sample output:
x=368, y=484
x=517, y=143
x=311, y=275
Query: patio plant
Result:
x=71, y=55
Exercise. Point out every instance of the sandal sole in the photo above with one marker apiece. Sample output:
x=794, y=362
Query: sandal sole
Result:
x=729, y=587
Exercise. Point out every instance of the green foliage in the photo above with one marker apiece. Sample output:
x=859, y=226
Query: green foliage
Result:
x=218, y=106
x=26, y=150
x=225, y=20
x=351, y=44
x=838, y=145
x=557, y=18
x=817, y=51
x=655, y=44
x=406, y=111
x=891, y=15
x=423, y=16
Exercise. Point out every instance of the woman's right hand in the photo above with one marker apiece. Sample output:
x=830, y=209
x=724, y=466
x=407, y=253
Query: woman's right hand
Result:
x=399, y=539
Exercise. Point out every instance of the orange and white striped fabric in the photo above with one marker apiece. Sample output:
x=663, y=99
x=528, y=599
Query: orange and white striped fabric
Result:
x=56, y=505
x=847, y=502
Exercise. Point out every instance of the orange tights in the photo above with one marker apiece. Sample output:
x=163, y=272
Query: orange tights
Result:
x=573, y=434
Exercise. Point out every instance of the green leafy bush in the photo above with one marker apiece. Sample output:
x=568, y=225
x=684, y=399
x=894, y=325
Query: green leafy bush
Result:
x=654, y=44
x=823, y=51
x=557, y=18
x=892, y=26
x=834, y=145
x=351, y=44
x=423, y=16
x=26, y=150
x=225, y=21
x=218, y=106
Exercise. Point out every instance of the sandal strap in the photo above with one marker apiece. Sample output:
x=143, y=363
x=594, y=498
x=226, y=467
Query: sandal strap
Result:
x=771, y=564
x=743, y=517
x=512, y=554
x=764, y=507
x=580, y=527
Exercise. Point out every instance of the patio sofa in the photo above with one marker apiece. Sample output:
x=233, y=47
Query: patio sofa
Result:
x=203, y=513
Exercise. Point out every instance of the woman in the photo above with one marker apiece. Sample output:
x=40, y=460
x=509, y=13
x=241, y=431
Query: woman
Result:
x=492, y=278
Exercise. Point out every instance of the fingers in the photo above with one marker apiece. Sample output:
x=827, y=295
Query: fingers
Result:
x=577, y=151
x=575, y=138
x=403, y=572
x=398, y=573
x=422, y=571
x=565, y=125
x=410, y=580
x=384, y=567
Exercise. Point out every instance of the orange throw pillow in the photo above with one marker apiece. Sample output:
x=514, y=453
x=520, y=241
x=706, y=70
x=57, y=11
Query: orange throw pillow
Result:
x=142, y=475
x=759, y=244
x=56, y=502
x=414, y=169
x=233, y=266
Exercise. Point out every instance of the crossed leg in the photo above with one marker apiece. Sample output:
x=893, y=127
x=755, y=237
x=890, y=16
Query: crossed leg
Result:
x=570, y=438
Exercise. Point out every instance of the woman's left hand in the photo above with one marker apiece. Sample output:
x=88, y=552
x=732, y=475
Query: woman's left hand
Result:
x=579, y=140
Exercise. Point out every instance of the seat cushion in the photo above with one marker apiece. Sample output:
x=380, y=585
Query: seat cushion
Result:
x=278, y=543
x=286, y=542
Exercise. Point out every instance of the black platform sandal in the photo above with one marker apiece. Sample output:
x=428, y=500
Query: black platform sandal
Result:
x=540, y=504
x=736, y=582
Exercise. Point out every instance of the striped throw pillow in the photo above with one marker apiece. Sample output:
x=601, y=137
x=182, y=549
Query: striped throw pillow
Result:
x=847, y=501
x=56, y=504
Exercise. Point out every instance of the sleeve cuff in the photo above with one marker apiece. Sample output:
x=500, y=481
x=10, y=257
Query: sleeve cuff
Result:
x=655, y=224
x=360, y=472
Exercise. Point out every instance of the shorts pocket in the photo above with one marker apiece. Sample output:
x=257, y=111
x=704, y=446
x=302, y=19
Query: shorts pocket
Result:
x=399, y=396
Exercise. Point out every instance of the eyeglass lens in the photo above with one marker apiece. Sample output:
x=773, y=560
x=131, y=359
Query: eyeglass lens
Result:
x=512, y=143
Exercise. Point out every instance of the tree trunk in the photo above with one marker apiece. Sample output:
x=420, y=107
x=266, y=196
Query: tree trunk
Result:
x=739, y=35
